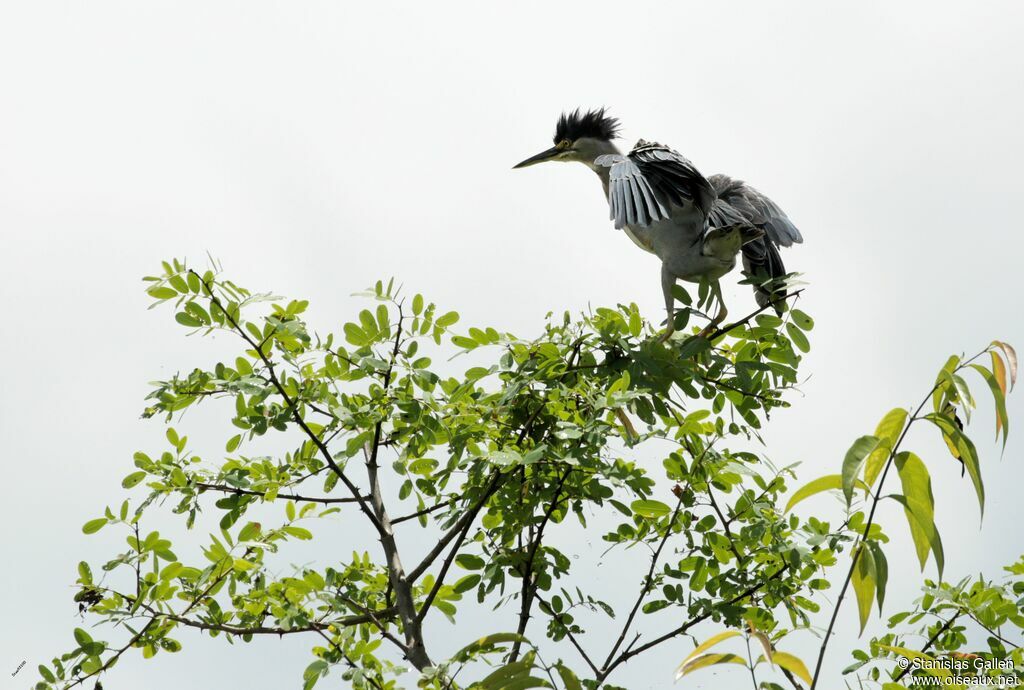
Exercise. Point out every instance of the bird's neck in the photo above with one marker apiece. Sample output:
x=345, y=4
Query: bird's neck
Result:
x=601, y=148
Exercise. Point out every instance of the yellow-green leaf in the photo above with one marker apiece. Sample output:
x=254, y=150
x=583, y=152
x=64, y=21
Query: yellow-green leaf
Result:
x=919, y=507
x=816, y=486
x=864, y=584
x=708, y=660
x=792, y=664
x=704, y=646
x=569, y=679
x=650, y=509
x=887, y=432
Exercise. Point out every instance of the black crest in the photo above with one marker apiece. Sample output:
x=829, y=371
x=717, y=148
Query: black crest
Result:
x=592, y=123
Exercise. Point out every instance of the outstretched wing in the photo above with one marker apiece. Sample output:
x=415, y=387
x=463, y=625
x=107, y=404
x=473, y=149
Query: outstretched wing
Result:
x=740, y=204
x=645, y=184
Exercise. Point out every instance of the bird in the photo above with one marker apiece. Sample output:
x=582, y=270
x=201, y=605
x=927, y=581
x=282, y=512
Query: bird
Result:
x=696, y=225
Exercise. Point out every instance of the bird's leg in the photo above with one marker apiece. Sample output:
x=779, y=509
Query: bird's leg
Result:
x=716, y=290
x=668, y=281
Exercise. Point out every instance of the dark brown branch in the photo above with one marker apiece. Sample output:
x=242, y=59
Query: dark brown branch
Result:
x=725, y=524
x=648, y=583
x=455, y=529
x=375, y=618
x=418, y=513
x=445, y=565
x=529, y=588
x=630, y=653
x=572, y=638
x=293, y=497
x=746, y=319
x=931, y=640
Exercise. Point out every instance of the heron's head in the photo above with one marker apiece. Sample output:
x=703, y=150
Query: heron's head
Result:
x=579, y=136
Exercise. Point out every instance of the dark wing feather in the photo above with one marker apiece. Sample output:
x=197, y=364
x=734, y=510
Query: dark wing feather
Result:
x=646, y=183
x=735, y=199
x=756, y=209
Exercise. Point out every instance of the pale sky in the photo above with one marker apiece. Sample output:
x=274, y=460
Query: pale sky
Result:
x=315, y=147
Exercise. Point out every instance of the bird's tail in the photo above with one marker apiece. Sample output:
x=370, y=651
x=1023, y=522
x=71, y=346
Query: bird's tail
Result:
x=762, y=262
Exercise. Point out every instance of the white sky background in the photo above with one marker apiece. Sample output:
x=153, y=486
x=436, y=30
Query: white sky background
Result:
x=314, y=147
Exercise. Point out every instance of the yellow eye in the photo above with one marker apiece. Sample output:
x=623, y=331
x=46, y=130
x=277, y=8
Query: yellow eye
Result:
x=563, y=145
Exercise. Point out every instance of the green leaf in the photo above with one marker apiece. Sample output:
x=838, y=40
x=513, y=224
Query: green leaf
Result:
x=187, y=320
x=298, y=532
x=133, y=479
x=801, y=319
x=162, y=292
x=469, y=561
x=881, y=572
x=315, y=670
x=853, y=461
x=798, y=338
x=84, y=572
x=965, y=452
x=82, y=637
x=816, y=486
x=241, y=565
x=650, y=508
x=864, y=584
x=502, y=676
x=466, y=583
x=355, y=335
x=250, y=530
x=94, y=525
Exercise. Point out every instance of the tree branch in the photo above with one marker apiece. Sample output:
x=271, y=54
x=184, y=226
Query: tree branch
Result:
x=646, y=588
x=931, y=640
x=870, y=521
x=529, y=588
x=317, y=441
x=224, y=488
x=630, y=653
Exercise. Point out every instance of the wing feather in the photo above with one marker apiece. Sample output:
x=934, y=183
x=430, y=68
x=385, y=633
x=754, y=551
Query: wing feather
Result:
x=646, y=183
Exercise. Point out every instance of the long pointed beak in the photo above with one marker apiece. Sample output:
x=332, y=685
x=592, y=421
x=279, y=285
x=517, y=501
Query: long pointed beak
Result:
x=539, y=158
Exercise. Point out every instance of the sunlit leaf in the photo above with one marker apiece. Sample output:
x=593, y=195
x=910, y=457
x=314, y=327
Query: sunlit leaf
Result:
x=816, y=486
x=706, y=660
x=888, y=432
x=793, y=664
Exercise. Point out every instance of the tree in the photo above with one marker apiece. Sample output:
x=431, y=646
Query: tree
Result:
x=592, y=418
